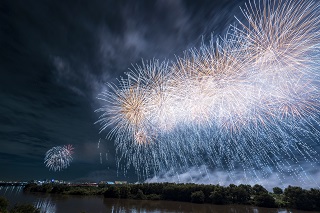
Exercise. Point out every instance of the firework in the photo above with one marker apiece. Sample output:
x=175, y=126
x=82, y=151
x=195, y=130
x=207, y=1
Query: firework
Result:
x=248, y=100
x=58, y=157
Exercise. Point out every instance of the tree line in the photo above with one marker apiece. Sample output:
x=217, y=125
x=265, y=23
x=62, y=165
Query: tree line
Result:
x=17, y=208
x=291, y=197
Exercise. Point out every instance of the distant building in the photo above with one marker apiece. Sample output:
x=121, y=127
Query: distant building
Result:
x=120, y=182
x=110, y=182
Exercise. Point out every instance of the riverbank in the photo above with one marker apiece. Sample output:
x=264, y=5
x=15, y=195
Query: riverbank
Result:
x=291, y=197
x=54, y=203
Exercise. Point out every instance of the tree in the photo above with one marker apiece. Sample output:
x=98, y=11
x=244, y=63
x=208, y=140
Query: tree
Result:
x=24, y=208
x=258, y=189
x=315, y=197
x=299, y=198
x=218, y=196
x=59, y=188
x=140, y=195
x=29, y=187
x=102, y=185
x=246, y=199
x=242, y=196
x=277, y=190
x=231, y=193
x=112, y=192
x=264, y=200
x=197, y=197
x=169, y=192
x=125, y=191
x=4, y=203
x=46, y=187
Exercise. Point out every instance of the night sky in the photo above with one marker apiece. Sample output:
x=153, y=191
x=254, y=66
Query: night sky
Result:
x=57, y=56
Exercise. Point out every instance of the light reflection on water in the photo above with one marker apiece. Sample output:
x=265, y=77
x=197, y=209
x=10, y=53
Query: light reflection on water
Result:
x=5, y=190
x=61, y=203
x=46, y=205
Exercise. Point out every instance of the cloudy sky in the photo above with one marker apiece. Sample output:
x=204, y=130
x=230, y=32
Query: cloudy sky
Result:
x=55, y=58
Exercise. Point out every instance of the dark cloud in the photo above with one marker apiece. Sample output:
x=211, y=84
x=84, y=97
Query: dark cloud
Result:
x=81, y=44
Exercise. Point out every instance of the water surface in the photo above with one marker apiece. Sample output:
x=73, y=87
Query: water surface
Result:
x=50, y=203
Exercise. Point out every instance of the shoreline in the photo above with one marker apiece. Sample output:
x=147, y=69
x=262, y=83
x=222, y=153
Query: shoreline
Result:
x=291, y=197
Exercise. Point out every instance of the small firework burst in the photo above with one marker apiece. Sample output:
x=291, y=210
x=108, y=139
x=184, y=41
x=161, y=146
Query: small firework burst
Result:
x=59, y=157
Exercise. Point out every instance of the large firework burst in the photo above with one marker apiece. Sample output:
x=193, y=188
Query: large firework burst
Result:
x=248, y=100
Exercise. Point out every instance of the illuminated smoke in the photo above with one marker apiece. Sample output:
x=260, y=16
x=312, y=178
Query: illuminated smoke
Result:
x=249, y=100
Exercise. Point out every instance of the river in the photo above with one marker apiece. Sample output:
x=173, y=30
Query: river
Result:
x=50, y=203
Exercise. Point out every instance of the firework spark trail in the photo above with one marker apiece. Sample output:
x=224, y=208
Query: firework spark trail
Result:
x=247, y=99
x=59, y=157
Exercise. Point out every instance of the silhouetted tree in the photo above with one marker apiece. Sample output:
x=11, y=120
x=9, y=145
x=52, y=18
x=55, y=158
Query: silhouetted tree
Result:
x=59, y=188
x=125, y=191
x=242, y=196
x=218, y=196
x=264, y=200
x=169, y=192
x=315, y=197
x=299, y=198
x=197, y=197
x=112, y=192
x=258, y=189
x=24, y=208
x=140, y=195
x=29, y=187
x=4, y=203
x=102, y=185
x=277, y=190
